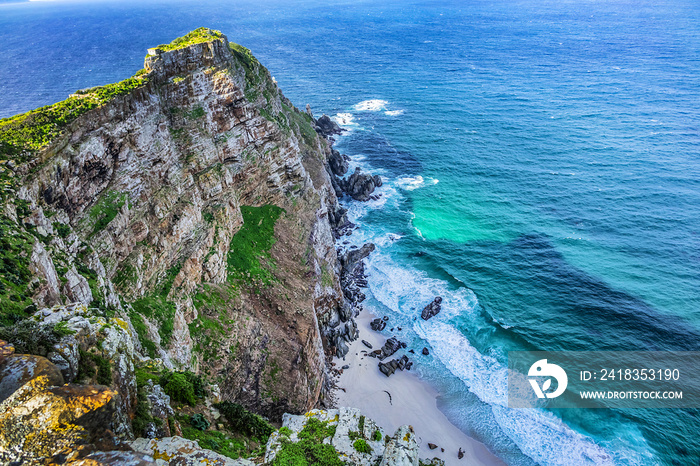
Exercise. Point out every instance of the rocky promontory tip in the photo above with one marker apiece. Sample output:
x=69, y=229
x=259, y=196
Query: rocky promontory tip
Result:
x=432, y=309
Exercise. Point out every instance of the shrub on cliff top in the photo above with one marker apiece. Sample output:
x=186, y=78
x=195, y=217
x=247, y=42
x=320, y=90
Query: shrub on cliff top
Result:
x=183, y=387
x=243, y=421
x=197, y=36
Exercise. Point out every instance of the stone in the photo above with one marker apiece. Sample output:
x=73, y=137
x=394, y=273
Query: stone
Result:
x=432, y=309
x=360, y=186
x=338, y=163
x=182, y=452
x=426, y=351
x=401, y=449
x=39, y=421
x=367, y=344
x=327, y=127
x=6, y=349
x=114, y=458
x=377, y=325
x=460, y=453
x=432, y=446
x=18, y=369
x=391, y=346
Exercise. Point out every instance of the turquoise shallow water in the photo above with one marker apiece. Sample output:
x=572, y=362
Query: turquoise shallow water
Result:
x=542, y=157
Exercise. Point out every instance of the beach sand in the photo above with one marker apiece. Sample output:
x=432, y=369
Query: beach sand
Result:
x=413, y=402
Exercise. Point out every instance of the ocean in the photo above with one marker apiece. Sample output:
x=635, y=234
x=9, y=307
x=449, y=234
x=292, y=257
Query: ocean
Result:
x=541, y=162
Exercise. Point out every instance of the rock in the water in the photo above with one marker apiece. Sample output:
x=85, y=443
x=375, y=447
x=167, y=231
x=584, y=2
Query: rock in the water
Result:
x=327, y=127
x=426, y=351
x=432, y=309
x=183, y=452
x=18, y=369
x=402, y=449
x=367, y=344
x=39, y=421
x=360, y=186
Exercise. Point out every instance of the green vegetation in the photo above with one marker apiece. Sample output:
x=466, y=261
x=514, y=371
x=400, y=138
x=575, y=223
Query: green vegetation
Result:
x=157, y=308
x=106, y=210
x=244, y=422
x=197, y=36
x=30, y=337
x=182, y=387
x=62, y=229
x=15, y=252
x=199, y=422
x=377, y=435
x=361, y=424
x=216, y=441
x=212, y=324
x=362, y=446
x=249, y=254
x=93, y=366
x=23, y=134
x=310, y=450
x=195, y=113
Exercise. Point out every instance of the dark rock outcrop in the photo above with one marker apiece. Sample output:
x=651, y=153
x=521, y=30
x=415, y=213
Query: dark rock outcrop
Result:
x=18, y=369
x=360, y=186
x=391, y=346
x=327, y=127
x=432, y=309
x=377, y=325
x=426, y=351
x=338, y=163
x=388, y=368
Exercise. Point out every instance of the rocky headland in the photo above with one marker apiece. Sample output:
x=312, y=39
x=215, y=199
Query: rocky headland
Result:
x=171, y=290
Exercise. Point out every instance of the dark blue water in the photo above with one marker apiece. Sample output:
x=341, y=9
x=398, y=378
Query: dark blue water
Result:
x=545, y=156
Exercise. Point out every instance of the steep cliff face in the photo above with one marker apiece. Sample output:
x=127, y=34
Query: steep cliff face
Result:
x=191, y=203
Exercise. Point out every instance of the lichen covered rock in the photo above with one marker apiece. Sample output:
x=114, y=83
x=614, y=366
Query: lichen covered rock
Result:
x=183, y=452
x=40, y=421
x=401, y=449
x=18, y=369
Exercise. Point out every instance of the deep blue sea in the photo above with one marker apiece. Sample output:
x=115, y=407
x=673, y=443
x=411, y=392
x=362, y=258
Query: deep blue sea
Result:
x=542, y=174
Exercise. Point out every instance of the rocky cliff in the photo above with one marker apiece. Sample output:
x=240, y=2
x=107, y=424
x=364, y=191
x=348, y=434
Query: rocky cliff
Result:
x=181, y=222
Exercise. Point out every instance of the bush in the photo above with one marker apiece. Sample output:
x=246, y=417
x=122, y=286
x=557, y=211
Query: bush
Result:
x=199, y=422
x=243, y=421
x=362, y=446
x=308, y=453
x=178, y=387
x=29, y=337
x=377, y=436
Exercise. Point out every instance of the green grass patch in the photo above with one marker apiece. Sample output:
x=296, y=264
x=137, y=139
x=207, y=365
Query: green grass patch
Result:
x=106, y=210
x=249, y=254
x=182, y=387
x=159, y=309
x=360, y=445
x=142, y=332
x=212, y=323
x=197, y=36
x=242, y=421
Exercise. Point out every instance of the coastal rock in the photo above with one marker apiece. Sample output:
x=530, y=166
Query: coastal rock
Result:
x=338, y=163
x=432, y=446
x=392, y=366
x=391, y=346
x=367, y=344
x=377, y=325
x=425, y=351
x=327, y=127
x=39, y=421
x=182, y=452
x=351, y=259
x=432, y=309
x=401, y=449
x=158, y=406
x=360, y=186
x=18, y=369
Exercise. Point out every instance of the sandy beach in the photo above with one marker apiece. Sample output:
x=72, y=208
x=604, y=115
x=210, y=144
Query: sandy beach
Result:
x=411, y=401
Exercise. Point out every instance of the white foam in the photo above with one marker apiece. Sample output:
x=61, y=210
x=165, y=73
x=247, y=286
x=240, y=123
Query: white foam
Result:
x=345, y=120
x=394, y=112
x=409, y=183
x=373, y=105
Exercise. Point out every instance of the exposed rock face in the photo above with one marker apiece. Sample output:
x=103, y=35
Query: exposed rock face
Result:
x=147, y=192
x=40, y=421
x=401, y=449
x=18, y=369
x=183, y=452
x=360, y=186
x=432, y=309
x=392, y=366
